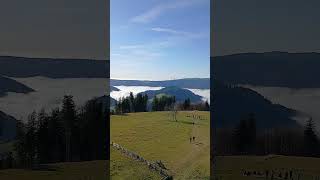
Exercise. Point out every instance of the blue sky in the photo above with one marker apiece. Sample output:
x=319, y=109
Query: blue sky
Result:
x=160, y=39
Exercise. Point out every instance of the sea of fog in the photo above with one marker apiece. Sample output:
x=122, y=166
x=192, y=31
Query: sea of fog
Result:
x=49, y=93
x=204, y=93
x=125, y=91
x=305, y=100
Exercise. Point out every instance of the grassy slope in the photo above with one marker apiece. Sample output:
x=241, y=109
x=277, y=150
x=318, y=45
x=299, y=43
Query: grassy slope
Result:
x=229, y=167
x=122, y=168
x=155, y=136
x=90, y=170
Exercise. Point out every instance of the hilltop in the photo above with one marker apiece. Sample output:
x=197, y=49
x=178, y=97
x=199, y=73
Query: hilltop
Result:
x=179, y=93
x=232, y=103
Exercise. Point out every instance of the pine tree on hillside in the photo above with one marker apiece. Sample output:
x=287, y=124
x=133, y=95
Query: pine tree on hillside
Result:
x=132, y=103
x=311, y=141
x=239, y=137
x=56, y=133
x=155, y=104
x=125, y=105
x=251, y=133
x=43, y=137
x=186, y=104
x=119, y=107
x=31, y=140
x=68, y=117
x=145, y=103
x=245, y=136
x=20, y=144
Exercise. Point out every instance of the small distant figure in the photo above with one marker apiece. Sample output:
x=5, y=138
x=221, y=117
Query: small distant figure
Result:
x=193, y=123
x=193, y=138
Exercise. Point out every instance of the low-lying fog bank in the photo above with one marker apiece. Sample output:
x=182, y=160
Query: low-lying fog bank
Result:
x=124, y=91
x=49, y=93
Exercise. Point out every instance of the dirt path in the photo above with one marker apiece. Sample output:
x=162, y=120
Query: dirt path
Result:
x=197, y=147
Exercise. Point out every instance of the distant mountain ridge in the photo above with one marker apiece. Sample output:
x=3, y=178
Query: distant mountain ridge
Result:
x=278, y=69
x=22, y=67
x=191, y=83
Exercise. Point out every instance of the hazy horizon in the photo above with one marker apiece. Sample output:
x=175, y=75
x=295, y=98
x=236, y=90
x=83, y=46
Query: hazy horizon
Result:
x=128, y=79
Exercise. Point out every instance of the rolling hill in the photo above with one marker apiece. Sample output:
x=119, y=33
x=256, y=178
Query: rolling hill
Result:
x=179, y=93
x=155, y=136
x=231, y=103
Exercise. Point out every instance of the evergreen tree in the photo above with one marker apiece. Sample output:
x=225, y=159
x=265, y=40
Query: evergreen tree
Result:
x=311, y=141
x=43, y=137
x=69, y=118
x=145, y=103
x=252, y=133
x=125, y=105
x=31, y=140
x=56, y=133
x=245, y=136
x=155, y=104
x=118, y=108
x=132, y=103
x=186, y=104
x=20, y=144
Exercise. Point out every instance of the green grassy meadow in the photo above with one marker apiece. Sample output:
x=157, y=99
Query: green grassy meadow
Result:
x=156, y=136
x=88, y=170
x=123, y=168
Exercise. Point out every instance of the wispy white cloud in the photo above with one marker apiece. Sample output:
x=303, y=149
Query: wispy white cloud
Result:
x=159, y=9
x=151, y=45
x=167, y=30
x=179, y=33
